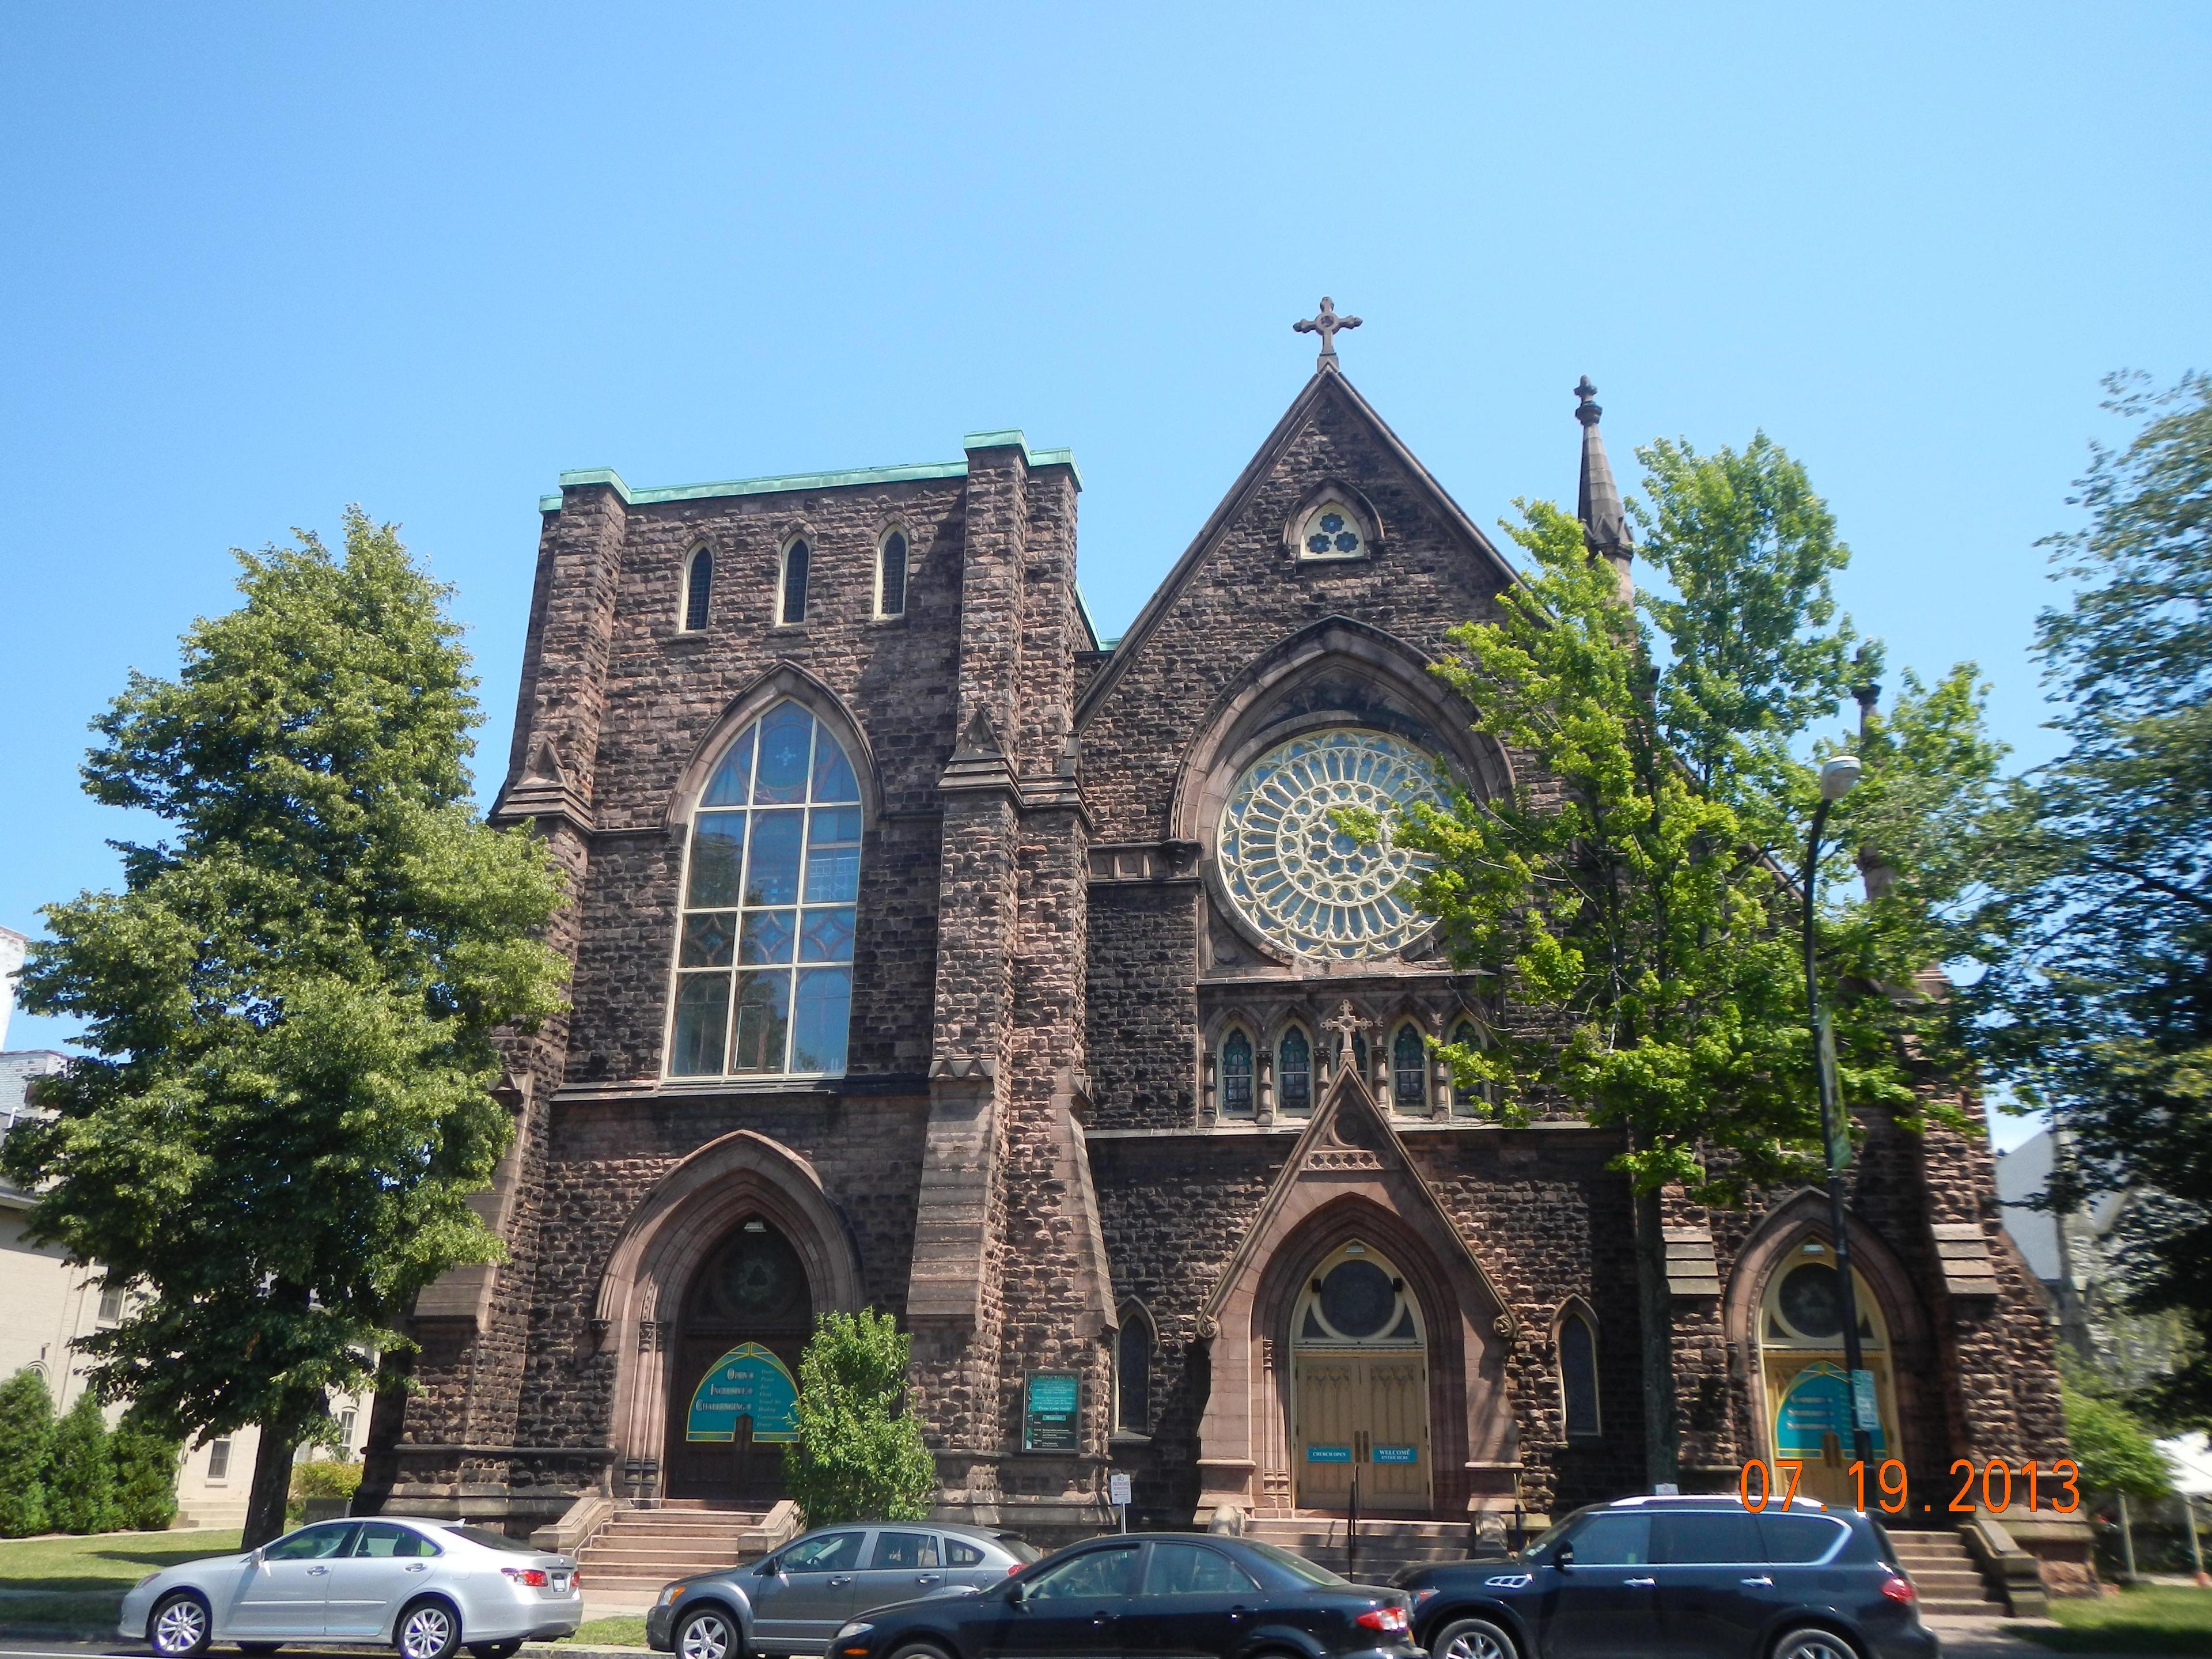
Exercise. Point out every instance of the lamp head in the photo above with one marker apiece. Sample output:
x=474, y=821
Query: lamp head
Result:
x=1837, y=774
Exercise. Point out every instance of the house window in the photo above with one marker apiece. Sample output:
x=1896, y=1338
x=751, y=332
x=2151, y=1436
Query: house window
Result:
x=1294, y=1074
x=110, y=1304
x=1133, y=1373
x=791, y=603
x=698, y=589
x=764, y=953
x=890, y=575
x=1409, y=1070
x=218, y=1461
x=1466, y=1102
x=1578, y=1374
x=346, y=1421
x=1236, y=1075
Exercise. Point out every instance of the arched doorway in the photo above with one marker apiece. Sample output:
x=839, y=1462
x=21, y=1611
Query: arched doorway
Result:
x=1360, y=1386
x=745, y=1316
x=1801, y=1340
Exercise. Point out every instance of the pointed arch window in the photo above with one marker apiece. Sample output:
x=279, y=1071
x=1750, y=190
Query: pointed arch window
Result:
x=1236, y=1074
x=1409, y=1070
x=1132, y=1372
x=791, y=598
x=1294, y=1074
x=1578, y=1401
x=1466, y=1102
x=698, y=589
x=1359, y=1058
x=764, y=953
x=890, y=575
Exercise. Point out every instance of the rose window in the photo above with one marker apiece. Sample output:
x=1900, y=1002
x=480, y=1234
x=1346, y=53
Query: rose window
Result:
x=1331, y=532
x=1299, y=880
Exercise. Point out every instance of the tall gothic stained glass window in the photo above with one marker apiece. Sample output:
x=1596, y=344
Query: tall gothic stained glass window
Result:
x=698, y=590
x=1294, y=1074
x=792, y=603
x=1236, y=1075
x=1300, y=882
x=764, y=962
x=1579, y=1375
x=891, y=576
x=1409, y=1071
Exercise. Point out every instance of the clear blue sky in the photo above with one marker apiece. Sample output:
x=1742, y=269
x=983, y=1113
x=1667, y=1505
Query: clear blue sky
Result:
x=263, y=261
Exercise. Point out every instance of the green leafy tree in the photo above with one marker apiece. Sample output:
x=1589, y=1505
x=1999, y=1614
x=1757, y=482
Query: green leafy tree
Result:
x=2117, y=1455
x=80, y=1497
x=1628, y=903
x=27, y=1447
x=2097, y=1003
x=145, y=1474
x=859, y=1455
x=290, y=1006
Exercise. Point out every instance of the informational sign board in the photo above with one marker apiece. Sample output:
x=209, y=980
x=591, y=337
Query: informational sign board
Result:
x=1117, y=1490
x=1328, y=1454
x=1396, y=1455
x=1050, y=1414
x=1818, y=1404
x=747, y=1382
x=1863, y=1401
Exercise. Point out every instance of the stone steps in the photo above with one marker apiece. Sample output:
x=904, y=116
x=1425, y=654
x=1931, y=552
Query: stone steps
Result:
x=1949, y=1582
x=638, y=1551
x=1386, y=1546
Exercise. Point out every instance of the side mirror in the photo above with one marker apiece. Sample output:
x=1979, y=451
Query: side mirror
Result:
x=1017, y=1593
x=1564, y=1556
x=765, y=1568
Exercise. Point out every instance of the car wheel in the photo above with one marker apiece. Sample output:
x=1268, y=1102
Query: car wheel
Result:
x=1473, y=1638
x=708, y=1634
x=1815, y=1644
x=506, y=1650
x=920, y=1650
x=179, y=1626
x=428, y=1630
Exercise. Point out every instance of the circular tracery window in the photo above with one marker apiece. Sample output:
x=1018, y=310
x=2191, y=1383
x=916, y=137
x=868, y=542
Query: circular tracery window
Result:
x=1298, y=879
x=1331, y=531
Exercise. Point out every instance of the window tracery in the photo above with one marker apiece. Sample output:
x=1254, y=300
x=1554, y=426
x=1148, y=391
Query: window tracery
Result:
x=1294, y=1077
x=1409, y=1070
x=1236, y=1074
x=764, y=954
x=1332, y=529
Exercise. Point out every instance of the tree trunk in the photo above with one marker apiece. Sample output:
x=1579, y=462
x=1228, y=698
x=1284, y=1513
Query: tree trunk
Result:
x=1656, y=1308
x=387, y=1412
x=272, y=1488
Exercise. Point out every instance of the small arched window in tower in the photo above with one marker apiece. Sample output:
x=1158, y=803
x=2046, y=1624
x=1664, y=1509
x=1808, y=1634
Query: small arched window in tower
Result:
x=1578, y=1373
x=1236, y=1075
x=1466, y=1102
x=1133, y=1373
x=698, y=589
x=791, y=603
x=890, y=575
x=1294, y=1074
x=1409, y=1070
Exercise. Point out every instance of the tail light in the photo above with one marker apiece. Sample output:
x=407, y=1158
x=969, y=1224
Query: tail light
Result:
x=1390, y=1621
x=534, y=1577
x=1014, y=1568
x=1899, y=1590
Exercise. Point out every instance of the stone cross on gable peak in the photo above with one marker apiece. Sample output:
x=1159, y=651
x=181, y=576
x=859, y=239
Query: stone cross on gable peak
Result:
x=1346, y=1024
x=1327, y=324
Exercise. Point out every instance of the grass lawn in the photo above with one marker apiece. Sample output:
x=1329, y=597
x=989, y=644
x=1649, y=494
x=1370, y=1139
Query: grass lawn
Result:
x=77, y=1583
x=2153, y=1620
x=625, y=1632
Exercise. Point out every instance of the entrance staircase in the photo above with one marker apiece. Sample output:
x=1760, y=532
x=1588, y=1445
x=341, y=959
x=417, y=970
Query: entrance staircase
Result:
x=1950, y=1583
x=638, y=1551
x=1385, y=1546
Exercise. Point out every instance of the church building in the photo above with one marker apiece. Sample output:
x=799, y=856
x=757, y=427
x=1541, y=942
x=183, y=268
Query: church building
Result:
x=932, y=954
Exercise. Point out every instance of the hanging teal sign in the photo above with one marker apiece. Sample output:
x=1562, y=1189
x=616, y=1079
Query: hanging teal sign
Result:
x=1819, y=1404
x=747, y=1382
x=1328, y=1454
x=1397, y=1455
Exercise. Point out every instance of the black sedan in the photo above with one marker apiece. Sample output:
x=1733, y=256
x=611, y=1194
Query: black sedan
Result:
x=1147, y=1595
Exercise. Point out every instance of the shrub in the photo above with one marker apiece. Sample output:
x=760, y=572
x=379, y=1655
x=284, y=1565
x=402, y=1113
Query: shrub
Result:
x=2115, y=1454
x=81, y=1495
x=324, y=1477
x=27, y=1444
x=145, y=1475
x=858, y=1454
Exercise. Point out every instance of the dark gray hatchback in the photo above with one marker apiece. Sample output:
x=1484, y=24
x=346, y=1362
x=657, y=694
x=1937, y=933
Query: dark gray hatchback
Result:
x=1685, y=1577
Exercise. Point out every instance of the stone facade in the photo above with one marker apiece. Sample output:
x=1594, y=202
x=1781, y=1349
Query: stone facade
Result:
x=1043, y=1137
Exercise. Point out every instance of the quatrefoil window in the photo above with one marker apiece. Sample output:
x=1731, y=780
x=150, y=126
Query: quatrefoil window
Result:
x=1332, y=530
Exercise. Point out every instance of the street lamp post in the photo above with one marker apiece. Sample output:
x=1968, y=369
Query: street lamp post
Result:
x=1836, y=777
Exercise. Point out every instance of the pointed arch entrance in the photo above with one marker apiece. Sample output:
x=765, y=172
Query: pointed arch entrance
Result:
x=737, y=1246
x=1359, y=1385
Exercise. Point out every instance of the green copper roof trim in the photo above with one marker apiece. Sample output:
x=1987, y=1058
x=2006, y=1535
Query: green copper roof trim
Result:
x=1088, y=621
x=790, y=481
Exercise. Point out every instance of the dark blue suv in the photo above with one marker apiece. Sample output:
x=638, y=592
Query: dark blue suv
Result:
x=1685, y=1577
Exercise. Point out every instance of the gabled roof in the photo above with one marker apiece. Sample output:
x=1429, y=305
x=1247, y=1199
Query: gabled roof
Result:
x=1326, y=382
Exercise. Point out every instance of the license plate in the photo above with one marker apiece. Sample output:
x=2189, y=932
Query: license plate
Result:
x=560, y=1581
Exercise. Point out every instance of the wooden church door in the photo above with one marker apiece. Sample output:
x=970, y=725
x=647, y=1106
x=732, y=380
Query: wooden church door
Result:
x=746, y=1315
x=1360, y=1388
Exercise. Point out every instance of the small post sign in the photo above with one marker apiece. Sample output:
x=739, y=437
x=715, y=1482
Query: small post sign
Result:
x=1051, y=1418
x=1117, y=1494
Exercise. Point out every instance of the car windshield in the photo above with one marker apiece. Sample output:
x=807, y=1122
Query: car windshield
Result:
x=494, y=1540
x=1296, y=1565
x=1551, y=1536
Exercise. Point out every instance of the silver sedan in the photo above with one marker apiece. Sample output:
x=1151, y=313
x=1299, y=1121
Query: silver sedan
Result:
x=428, y=1587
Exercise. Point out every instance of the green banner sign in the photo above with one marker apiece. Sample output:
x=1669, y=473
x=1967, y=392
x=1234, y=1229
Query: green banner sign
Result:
x=747, y=1382
x=1049, y=1417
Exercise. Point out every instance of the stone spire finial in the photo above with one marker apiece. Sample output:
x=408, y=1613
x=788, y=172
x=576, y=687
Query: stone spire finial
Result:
x=1597, y=503
x=1326, y=325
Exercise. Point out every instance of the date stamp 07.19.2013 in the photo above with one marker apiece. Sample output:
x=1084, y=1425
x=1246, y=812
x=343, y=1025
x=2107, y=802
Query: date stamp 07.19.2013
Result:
x=1988, y=1487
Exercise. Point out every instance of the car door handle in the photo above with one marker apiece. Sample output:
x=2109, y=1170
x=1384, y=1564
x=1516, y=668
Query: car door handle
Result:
x=840, y=1578
x=930, y=1578
x=317, y=1572
x=1639, y=1584
x=418, y=1566
x=1101, y=1619
x=1234, y=1614
x=1761, y=1579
